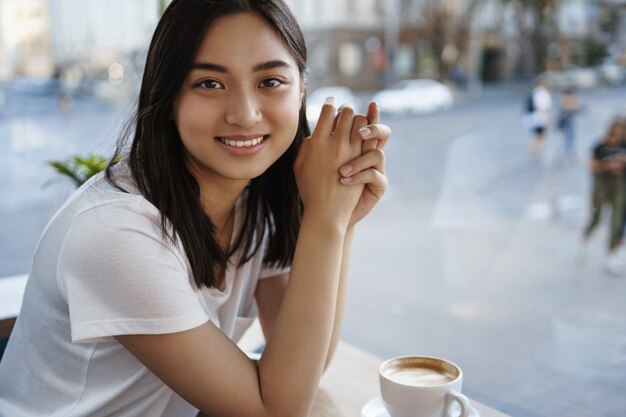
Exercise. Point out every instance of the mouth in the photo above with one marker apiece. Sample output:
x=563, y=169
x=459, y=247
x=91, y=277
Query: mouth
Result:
x=242, y=142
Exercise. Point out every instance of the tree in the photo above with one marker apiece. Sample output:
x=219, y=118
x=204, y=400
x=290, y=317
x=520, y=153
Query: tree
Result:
x=542, y=30
x=446, y=25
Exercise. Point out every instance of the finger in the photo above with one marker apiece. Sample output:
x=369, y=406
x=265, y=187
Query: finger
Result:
x=341, y=107
x=372, y=159
x=360, y=122
x=336, y=119
x=344, y=123
x=375, y=180
x=373, y=113
x=379, y=132
x=327, y=117
x=373, y=117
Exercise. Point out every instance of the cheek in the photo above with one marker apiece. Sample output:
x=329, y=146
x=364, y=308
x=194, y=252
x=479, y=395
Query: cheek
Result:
x=287, y=113
x=192, y=119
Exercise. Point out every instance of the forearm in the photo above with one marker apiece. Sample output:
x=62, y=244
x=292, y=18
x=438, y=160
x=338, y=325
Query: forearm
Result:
x=341, y=294
x=294, y=358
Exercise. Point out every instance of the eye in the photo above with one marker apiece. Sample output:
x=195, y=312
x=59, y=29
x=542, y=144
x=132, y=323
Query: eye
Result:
x=272, y=83
x=210, y=85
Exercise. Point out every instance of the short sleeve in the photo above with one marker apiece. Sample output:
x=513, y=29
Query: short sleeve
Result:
x=119, y=276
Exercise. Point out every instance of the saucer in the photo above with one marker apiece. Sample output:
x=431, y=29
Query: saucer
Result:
x=376, y=408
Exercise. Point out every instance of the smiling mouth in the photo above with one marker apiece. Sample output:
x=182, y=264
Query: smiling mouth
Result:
x=243, y=143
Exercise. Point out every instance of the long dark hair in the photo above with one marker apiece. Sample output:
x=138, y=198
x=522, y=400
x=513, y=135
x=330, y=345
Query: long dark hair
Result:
x=156, y=153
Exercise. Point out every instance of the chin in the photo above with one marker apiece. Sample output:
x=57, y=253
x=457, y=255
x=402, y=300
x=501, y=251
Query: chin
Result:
x=247, y=175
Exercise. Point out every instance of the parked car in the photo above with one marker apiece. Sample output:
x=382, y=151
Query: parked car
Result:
x=316, y=100
x=576, y=77
x=414, y=97
x=36, y=86
x=612, y=73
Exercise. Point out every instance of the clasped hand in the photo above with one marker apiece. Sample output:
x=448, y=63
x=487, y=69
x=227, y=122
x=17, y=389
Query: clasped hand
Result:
x=340, y=168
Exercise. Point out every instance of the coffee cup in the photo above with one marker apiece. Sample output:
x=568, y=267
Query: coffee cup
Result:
x=422, y=386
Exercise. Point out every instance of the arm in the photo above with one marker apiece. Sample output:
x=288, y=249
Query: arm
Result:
x=613, y=166
x=269, y=297
x=270, y=290
x=341, y=295
x=367, y=169
x=208, y=370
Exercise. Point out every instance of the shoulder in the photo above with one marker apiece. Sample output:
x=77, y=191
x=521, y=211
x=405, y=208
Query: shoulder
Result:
x=121, y=198
x=103, y=218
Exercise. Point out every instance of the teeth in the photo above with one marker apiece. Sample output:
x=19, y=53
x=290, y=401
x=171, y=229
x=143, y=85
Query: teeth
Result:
x=242, y=143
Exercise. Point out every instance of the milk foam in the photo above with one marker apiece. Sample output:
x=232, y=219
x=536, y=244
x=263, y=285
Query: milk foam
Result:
x=422, y=376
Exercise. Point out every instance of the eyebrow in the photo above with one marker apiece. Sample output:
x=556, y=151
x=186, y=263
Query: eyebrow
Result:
x=264, y=66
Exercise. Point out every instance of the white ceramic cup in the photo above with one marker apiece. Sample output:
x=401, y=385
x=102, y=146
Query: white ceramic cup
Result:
x=422, y=386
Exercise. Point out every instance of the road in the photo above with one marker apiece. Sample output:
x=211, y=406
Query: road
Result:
x=470, y=256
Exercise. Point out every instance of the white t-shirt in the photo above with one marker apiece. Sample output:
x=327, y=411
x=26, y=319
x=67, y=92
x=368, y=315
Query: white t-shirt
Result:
x=542, y=100
x=102, y=268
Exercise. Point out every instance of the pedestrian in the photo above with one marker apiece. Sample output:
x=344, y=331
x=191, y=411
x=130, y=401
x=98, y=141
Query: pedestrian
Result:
x=64, y=102
x=569, y=106
x=540, y=113
x=225, y=205
x=607, y=164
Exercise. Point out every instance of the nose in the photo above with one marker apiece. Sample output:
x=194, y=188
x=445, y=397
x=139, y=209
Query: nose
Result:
x=243, y=109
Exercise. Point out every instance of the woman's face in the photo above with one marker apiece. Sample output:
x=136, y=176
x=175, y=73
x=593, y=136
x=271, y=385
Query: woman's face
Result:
x=238, y=109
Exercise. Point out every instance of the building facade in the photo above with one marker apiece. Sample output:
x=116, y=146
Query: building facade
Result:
x=367, y=44
x=25, y=45
x=363, y=44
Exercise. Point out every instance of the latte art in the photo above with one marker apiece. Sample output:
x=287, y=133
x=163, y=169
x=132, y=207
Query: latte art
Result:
x=424, y=386
x=421, y=375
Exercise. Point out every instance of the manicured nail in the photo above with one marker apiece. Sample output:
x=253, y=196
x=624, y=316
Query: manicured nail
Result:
x=345, y=170
x=346, y=180
x=365, y=132
x=330, y=100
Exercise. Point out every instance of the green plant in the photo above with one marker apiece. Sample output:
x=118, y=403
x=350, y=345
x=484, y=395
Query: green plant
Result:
x=80, y=168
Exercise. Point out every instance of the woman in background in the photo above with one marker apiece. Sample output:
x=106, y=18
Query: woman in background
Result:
x=569, y=106
x=607, y=165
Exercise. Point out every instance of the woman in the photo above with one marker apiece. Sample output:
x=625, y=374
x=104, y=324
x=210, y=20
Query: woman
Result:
x=607, y=164
x=541, y=114
x=145, y=279
x=569, y=106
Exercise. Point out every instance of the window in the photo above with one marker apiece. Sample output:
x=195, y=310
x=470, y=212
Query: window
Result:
x=350, y=58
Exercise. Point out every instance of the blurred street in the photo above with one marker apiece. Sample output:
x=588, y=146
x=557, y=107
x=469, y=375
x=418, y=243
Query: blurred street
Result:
x=471, y=256
x=33, y=131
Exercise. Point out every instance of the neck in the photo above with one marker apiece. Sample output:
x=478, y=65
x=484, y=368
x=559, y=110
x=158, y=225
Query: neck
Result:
x=219, y=202
x=218, y=195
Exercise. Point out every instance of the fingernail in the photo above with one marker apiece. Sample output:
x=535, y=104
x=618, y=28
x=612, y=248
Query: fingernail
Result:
x=365, y=132
x=346, y=170
x=346, y=180
x=330, y=100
